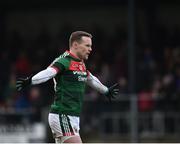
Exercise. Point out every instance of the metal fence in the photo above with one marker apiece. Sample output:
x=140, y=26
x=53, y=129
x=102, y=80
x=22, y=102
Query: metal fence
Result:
x=101, y=121
x=112, y=122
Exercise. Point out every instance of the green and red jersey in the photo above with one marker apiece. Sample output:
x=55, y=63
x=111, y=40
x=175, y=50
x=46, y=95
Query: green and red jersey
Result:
x=69, y=84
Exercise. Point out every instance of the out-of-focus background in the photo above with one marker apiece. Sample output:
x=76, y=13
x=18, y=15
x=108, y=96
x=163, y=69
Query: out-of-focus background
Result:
x=135, y=43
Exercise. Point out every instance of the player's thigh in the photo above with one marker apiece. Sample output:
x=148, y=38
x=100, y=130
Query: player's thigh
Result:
x=68, y=139
x=64, y=125
x=74, y=139
x=55, y=126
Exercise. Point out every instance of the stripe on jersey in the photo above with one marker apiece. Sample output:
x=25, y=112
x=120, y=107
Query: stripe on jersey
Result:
x=56, y=68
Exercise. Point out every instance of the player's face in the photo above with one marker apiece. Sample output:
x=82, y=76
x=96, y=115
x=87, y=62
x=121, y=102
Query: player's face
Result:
x=84, y=48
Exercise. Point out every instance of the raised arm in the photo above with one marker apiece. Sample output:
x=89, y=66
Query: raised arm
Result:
x=40, y=77
x=44, y=75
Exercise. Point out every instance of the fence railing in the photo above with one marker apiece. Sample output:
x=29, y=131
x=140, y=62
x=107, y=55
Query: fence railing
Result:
x=159, y=120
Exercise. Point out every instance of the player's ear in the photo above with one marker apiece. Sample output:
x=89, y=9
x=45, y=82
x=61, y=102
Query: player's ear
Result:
x=74, y=44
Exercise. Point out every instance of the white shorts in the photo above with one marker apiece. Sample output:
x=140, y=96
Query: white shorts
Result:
x=63, y=125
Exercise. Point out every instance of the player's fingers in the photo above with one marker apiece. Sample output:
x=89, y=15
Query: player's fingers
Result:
x=18, y=85
x=115, y=92
x=19, y=80
x=19, y=88
x=115, y=85
x=114, y=95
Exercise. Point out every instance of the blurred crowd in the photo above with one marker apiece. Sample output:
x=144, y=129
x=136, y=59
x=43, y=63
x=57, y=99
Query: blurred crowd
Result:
x=157, y=68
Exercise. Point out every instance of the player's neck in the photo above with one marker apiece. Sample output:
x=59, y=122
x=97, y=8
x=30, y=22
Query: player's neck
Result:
x=73, y=53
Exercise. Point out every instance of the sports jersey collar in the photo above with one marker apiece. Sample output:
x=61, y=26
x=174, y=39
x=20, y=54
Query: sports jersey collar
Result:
x=73, y=56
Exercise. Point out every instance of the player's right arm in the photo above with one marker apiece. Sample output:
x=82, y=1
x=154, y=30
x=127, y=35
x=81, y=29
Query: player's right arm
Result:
x=39, y=78
x=44, y=75
x=57, y=66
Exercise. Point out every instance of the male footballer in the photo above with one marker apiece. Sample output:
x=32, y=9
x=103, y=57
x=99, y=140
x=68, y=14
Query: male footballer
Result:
x=70, y=76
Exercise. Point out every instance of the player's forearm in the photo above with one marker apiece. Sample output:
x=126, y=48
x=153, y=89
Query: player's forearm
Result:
x=93, y=82
x=43, y=76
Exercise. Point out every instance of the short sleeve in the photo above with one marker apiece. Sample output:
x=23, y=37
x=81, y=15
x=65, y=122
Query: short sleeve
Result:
x=61, y=64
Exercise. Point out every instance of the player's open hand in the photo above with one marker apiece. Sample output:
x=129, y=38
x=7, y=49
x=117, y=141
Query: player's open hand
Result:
x=22, y=83
x=113, y=91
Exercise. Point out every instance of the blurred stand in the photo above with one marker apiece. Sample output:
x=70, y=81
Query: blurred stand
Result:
x=17, y=127
x=31, y=37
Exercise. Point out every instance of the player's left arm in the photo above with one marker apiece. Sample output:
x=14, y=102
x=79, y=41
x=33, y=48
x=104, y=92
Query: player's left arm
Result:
x=95, y=83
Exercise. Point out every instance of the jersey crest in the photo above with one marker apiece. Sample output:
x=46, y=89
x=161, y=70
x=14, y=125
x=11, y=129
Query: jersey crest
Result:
x=77, y=66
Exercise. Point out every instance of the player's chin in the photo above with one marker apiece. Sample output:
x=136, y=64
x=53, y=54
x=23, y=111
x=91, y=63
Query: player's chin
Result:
x=86, y=57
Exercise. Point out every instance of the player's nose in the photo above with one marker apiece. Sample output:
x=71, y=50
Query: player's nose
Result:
x=90, y=49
